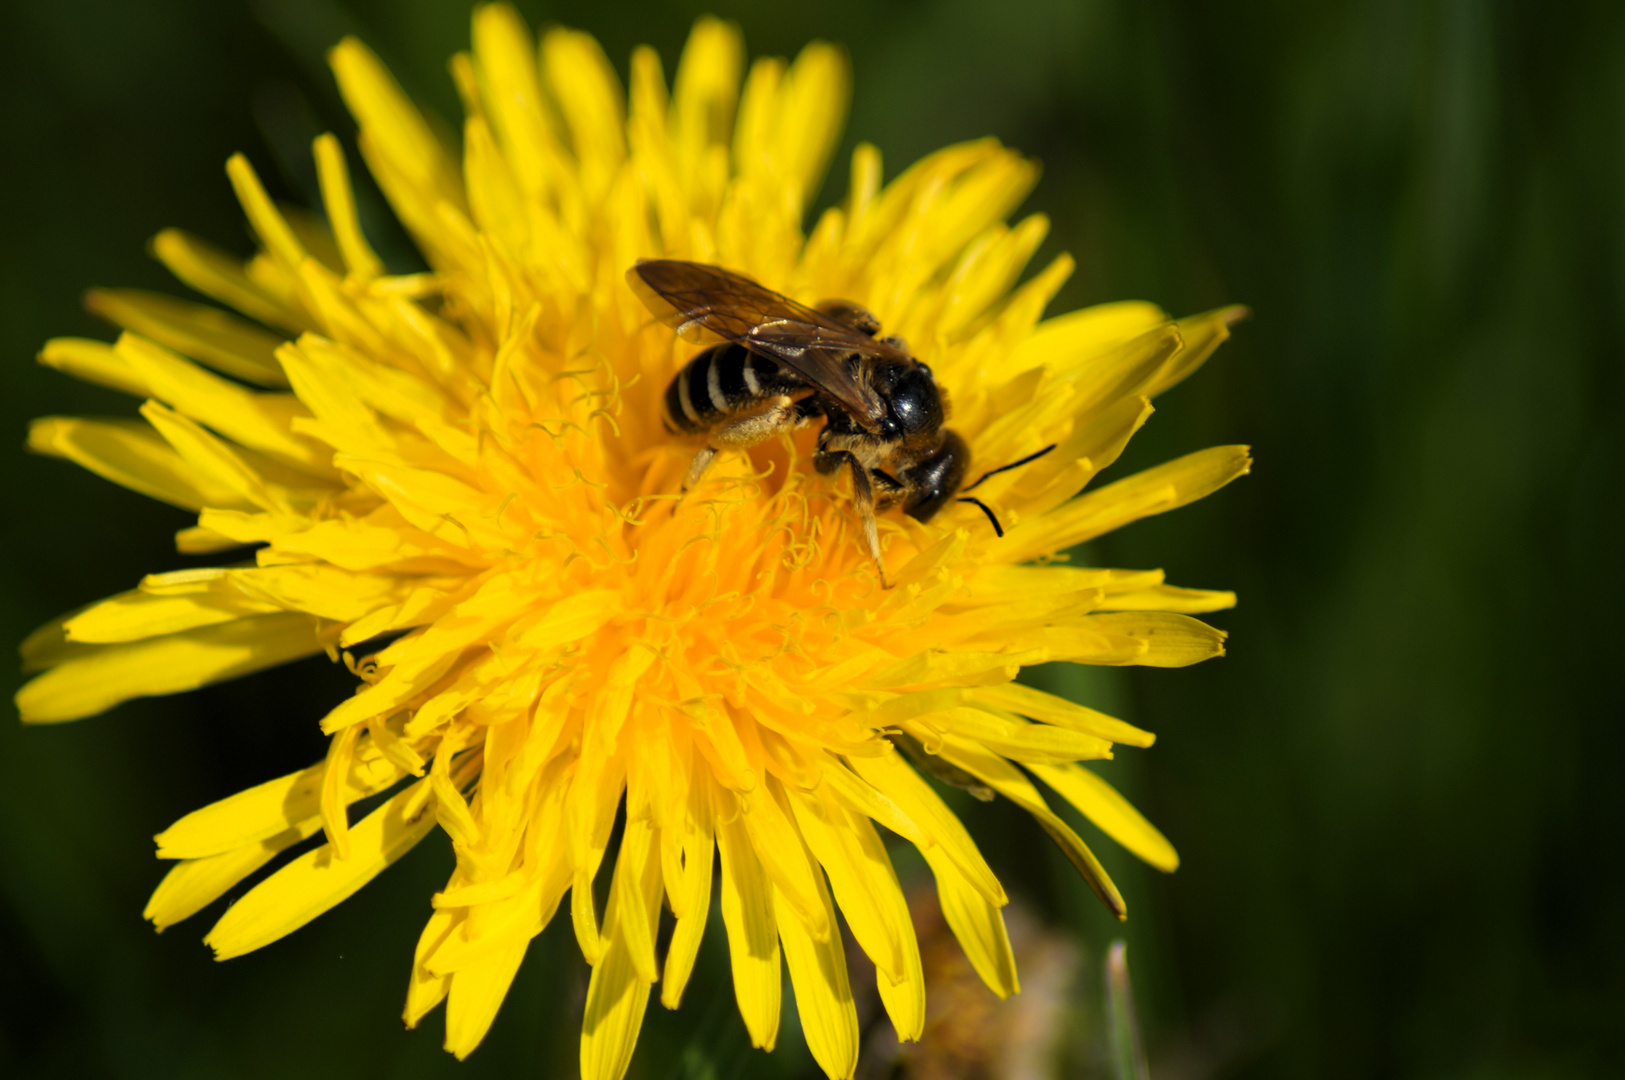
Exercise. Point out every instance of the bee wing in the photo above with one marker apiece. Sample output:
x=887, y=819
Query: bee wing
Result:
x=822, y=356
x=695, y=299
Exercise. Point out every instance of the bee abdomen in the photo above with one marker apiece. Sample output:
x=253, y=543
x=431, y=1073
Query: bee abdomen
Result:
x=719, y=382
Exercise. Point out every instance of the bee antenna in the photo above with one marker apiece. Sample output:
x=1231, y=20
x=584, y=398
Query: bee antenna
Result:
x=1007, y=468
x=996, y=526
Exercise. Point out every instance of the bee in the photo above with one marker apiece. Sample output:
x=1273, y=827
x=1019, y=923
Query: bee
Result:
x=782, y=365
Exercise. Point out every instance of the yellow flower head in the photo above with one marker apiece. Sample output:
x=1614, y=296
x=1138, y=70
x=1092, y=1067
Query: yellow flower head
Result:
x=459, y=482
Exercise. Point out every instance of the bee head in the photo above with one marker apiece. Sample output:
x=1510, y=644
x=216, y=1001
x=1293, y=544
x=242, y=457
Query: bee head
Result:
x=934, y=480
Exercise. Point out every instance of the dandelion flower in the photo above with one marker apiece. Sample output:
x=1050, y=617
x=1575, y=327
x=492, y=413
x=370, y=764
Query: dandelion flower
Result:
x=458, y=482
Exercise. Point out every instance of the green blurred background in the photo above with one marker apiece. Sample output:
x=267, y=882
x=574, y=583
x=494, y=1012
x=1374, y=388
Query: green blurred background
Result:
x=1397, y=799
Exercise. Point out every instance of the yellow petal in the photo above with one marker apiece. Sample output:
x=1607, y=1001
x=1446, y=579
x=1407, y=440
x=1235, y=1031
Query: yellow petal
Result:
x=263, y=215
x=891, y=774
x=1103, y=435
x=832, y=835
x=902, y=991
x=977, y=923
x=1170, y=598
x=337, y=309
x=1007, y=780
x=267, y=810
x=450, y=809
x=864, y=185
x=214, y=458
x=197, y=540
x=589, y=97
x=211, y=336
x=866, y=887
x=811, y=113
x=570, y=619
x=476, y=993
x=390, y=122
x=193, y=884
x=335, y=771
x=435, y=502
x=376, y=540
x=406, y=396
x=132, y=616
x=394, y=748
x=1154, y=491
x=783, y=856
x=49, y=646
x=221, y=277
x=343, y=421
x=904, y=999
x=866, y=799
x=1124, y=371
x=1057, y=710
x=426, y=988
x=829, y=1019
x=502, y=924
x=705, y=91
x=616, y=1002
x=594, y=795
x=753, y=936
x=1149, y=638
x=94, y=362
x=317, y=588
x=946, y=669
x=754, y=126
x=338, y=198
x=506, y=55
x=95, y=681
x=617, y=994
x=316, y=881
x=1202, y=334
x=413, y=669
x=257, y=421
x=690, y=928
x=1095, y=443
x=1013, y=737
x=494, y=196
x=1116, y=817
x=975, y=185
x=986, y=270
x=131, y=454
x=1067, y=340
x=637, y=843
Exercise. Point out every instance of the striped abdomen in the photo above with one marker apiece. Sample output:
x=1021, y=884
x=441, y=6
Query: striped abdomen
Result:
x=720, y=382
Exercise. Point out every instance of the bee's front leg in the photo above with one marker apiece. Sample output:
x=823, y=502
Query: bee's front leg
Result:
x=863, y=499
x=889, y=491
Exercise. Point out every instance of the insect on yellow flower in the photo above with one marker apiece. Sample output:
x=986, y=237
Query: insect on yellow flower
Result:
x=460, y=482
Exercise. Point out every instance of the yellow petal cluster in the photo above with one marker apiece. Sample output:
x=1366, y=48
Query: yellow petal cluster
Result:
x=458, y=482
